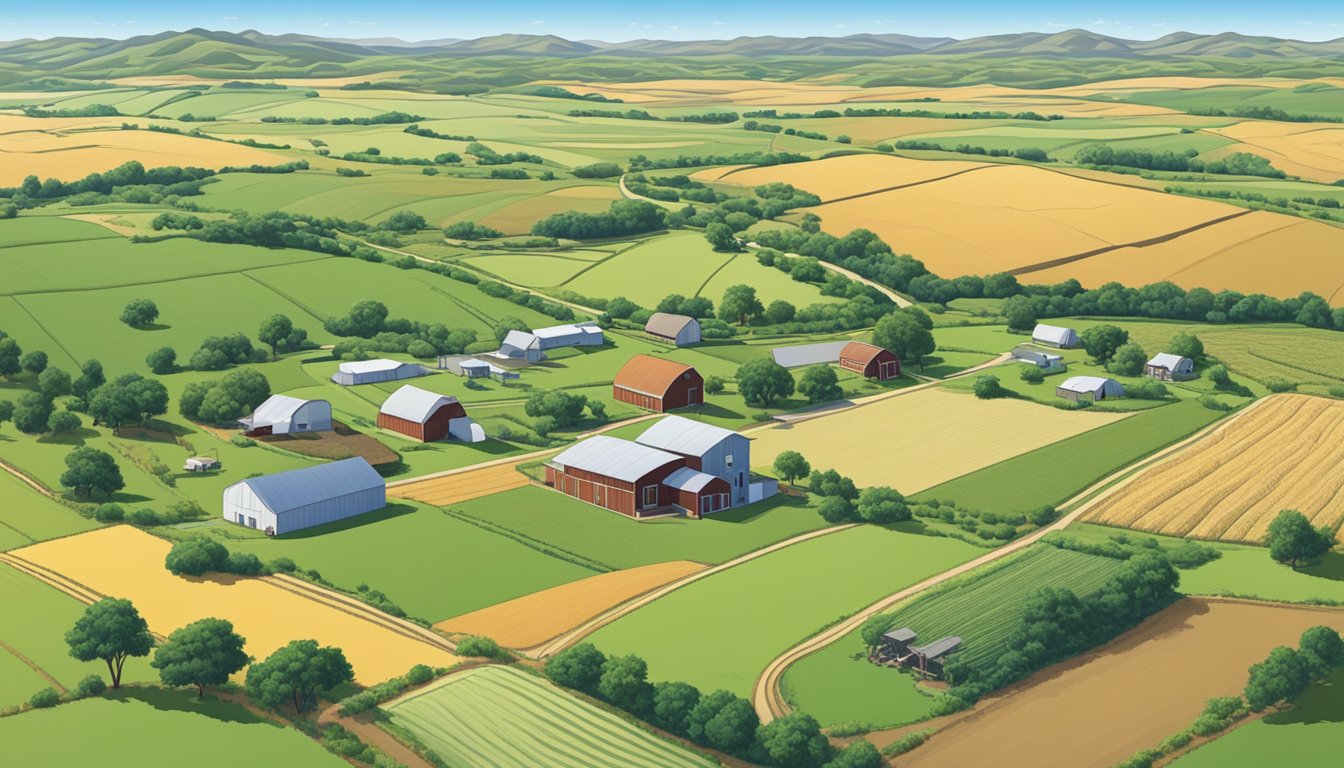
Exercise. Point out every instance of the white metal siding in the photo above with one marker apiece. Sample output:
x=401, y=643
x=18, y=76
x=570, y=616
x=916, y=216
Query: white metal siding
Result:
x=240, y=499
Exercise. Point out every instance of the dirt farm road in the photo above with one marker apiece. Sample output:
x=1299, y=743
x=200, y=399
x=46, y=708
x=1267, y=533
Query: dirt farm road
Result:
x=766, y=696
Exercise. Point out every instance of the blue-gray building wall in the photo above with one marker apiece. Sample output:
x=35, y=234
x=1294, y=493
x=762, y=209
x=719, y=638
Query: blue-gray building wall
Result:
x=715, y=462
x=331, y=510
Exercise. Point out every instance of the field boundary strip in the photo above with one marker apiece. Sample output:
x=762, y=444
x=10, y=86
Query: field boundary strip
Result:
x=60, y=582
x=1145, y=243
x=767, y=696
x=359, y=609
x=166, y=281
x=16, y=653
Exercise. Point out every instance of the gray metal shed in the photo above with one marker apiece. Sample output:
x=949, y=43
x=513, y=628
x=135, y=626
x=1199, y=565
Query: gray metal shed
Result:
x=302, y=498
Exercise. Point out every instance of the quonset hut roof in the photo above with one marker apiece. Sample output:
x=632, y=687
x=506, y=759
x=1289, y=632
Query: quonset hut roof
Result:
x=1173, y=363
x=682, y=435
x=687, y=479
x=370, y=366
x=1054, y=334
x=276, y=409
x=1083, y=384
x=297, y=488
x=414, y=404
x=808, y=354
x=613, y=457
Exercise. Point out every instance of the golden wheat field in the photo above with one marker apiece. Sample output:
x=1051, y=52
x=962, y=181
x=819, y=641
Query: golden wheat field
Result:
x=1311, y=150
x=461, y=486
x=518, y=218
x=124, y=562
x=926, y=437
x=77, y=154
x=843, y=176
x=533, y=619
x=1286, y=453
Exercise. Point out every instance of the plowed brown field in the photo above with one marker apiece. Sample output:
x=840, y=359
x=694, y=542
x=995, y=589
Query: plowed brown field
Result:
x=1230, y=485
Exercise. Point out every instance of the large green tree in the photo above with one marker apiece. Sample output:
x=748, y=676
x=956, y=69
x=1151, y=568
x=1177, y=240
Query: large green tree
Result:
x=297, y=674
x=32, y=413
x=790, y=465
x=90, y=471
x=111, y=630
x=10, y=354
x=1102, y=341
x=1292, y=539
x=204, y=652
x=579, y=667
x=906, y=333
x=128, y=399
x=794, y=741
x=1279, y=677
x=140, y=313
x=197, y=556
x=764, y=382
x=739, y=304
x=819, y=384
x=278, y=333
x=624, y=683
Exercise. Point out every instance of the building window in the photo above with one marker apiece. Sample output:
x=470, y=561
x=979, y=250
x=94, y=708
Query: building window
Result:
x=650, y=496
x=597, y=494
x=728, y=461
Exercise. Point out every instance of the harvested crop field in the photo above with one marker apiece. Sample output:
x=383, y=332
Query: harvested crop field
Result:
x=1284, y=454
x=462, y=486
x=518, y=218
x=926, y=437
x=533, y=619
x=504, y=718
x=1310, y=150
x=843, y=176
x=74, y=155
x=1102, y=707
x=126, y=562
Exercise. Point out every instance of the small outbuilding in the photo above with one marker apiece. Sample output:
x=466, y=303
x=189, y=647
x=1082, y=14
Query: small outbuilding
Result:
x=302, y=498
x=201, y=464
x=929, y=659
x=375, y=371
x=680, y=330
x=713, y=450
x=1046, y=361
x=1055, y=336
x=521, y=345
x=870, y=361
x=822, y=353
x=427, y=416
x=1169, y=367
x=586, y=334
x=1089, y=388
x=282, y=415
x=658, y=384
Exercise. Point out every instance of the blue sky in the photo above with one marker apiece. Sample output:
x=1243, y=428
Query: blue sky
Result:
x=679, y=19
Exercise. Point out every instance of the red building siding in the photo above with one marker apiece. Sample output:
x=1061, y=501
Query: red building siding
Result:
x=434, y=428
x=658, y=385
x=627, y=498
x=871, y=361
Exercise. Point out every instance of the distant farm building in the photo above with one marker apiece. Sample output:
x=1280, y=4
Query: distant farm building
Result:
x=712, y=450
x=521, y=345
x=1089, y=388
x=658, y=384
x=635, y=480
x=282, y=415
x=302, y=498
x=201, y=464
x=476, y=368
x=375, y=371
x=1055, y=336
x=823, y=353
x=680, y=330
x=427, y=416
x=1046, y=361
x=575, y=335
x=897, y=648
x=1169, y=367
x=870, y=361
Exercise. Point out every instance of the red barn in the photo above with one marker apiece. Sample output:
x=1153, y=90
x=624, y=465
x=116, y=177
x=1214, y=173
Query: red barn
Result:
x=634, y=479
x=658, y=384
x=871, y=361
x=419, y=414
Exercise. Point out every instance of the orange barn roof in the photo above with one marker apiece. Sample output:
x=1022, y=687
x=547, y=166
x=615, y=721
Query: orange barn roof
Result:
x=861, y=352
x=650, y=375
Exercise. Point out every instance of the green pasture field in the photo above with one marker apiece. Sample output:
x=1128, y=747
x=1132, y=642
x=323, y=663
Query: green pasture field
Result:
x=432, y=564
x=42, y=617
x=224, y=102
x=552, y=520
x=719, y=632
x=1270, y=188
x=1312, y=98
x=839, y=685
x=528, y=269
x=1301, y=355
x=43, y=458
x=1054, y=473
x=217, y=734
x=1242, y=570
x=48, y=230
x=502, y=716
x=1306, y=736
x=27, y=516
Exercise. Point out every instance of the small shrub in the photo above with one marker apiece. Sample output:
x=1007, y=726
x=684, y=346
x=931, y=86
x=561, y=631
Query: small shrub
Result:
x=242, y=442
x=1174, y=742
x=1143, y=759
x=842, y=730
x=245, y=564
x=482, y=647
x=1279, y=384
x=283, y=565
x=45, y=698
x=109, y=513
x=92, y=685
x=144, y=518
x=908, y=742
x=1213, y=403
x=988, y=387
x=1032, y=375
x=419, y=674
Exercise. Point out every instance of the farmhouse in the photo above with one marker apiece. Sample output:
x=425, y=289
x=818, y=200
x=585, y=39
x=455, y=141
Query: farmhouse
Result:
x=634, y=479
x=1169, y=367
x=680, y=330
x=870, y=361
x=1055, y=336
x=1046, y=361
x=712, y=450
x=1094, y=388
x=374, y=371
x=427, y=416
x=302, y=498
x=658, y=384
x=281, y=415
x=521, y=345
x=823, y=353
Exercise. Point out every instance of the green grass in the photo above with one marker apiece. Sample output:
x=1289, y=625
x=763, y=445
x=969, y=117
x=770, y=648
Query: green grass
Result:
x=39, y=617
x=433, y=565
x=1323, y=100
x=27, y=516
x=553, y=519
x=500, y=716
x=1306, y=736
x=839, y=684
x=156, y=727
x=721, y=631
x=1054, y=473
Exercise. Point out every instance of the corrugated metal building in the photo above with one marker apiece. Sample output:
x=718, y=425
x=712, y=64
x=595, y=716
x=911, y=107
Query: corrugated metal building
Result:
x=1046, y=361
x=573, y=335
x=521, y=345
x=374, y=371
x=427, y=416
x=681, y=330
x=633, y=479
x=713, y=450
x=823, y=353
x=302, y=498
x=1169, y=367
x=1092, y=388
x=870, y=361
x=658, y=384
x=281, y=415
x=1055, y=336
